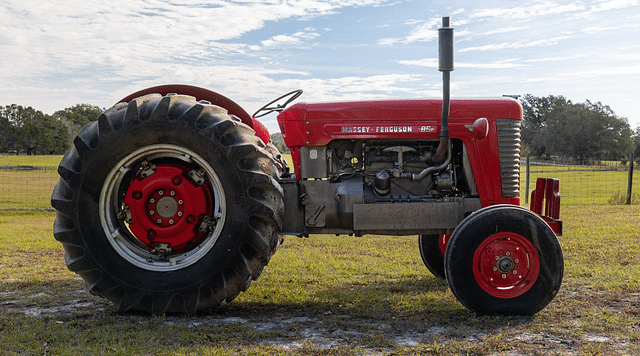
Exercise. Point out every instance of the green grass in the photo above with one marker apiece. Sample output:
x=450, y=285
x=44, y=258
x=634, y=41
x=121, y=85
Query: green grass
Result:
x=358, y=292
x=23, y=160
x=584, y=184
x=340, y=295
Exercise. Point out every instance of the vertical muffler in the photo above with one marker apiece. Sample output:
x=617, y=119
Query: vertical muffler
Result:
x=445, y=65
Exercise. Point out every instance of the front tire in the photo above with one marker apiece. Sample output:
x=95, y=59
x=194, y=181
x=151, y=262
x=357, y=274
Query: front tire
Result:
x=167, y=205
x=504, y=259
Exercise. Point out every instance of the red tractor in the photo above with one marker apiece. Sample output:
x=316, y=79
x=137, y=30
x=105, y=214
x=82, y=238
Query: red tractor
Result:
x=174, y=200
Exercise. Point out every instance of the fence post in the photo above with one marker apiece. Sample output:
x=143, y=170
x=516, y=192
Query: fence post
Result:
x=526, y=187
x=630, y=182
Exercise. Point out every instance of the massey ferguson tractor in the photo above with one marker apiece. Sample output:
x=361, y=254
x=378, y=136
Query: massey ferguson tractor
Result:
x=174, y=199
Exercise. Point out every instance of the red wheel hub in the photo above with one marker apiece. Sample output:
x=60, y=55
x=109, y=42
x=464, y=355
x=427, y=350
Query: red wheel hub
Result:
x=506, y=265
x=168, y=207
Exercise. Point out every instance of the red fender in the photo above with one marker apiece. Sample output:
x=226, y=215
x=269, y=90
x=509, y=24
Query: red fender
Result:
x=210, y=96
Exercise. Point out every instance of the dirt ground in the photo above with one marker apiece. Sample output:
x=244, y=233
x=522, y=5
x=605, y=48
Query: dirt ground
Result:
x=566, y=327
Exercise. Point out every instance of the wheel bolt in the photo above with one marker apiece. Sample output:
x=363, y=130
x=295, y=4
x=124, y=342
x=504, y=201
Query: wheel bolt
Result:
x=191, y=219
x=179, y=213
x=173, y=193
x=152, y=200
x=151, y=212
x=159, y=221
x=177, y=180
x=137, y=195
x=180, y=202
x=160, y=192
x=151, y=235
x=171, y=221
x=504, y=276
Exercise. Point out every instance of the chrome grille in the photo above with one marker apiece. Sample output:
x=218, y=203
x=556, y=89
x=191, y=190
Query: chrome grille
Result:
x=509, y=153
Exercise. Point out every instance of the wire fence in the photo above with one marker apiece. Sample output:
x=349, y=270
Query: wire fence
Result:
x=30, y=187
x=26, y=187
x=602, y=183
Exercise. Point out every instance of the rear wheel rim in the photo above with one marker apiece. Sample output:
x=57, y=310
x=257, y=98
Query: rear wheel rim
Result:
x=506, y=265
x=162, y=207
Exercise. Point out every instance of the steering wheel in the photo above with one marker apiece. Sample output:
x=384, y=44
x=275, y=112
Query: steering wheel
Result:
x=269, y=109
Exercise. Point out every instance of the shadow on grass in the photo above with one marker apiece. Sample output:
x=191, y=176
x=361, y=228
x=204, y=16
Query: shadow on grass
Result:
x=417, y=305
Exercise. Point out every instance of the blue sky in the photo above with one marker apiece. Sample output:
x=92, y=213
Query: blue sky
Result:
x=55, y=54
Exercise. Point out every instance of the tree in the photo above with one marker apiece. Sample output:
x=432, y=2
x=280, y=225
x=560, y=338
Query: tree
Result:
x=582, y=131
x=32, y=132
x=76, y=117
x=535, y=112
x=278, y=141
x=8, y=131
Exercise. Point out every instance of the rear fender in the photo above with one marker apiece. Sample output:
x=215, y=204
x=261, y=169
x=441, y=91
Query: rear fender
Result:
x=214, y=98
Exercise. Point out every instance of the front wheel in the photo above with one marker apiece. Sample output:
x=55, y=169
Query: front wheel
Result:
x=504, y=260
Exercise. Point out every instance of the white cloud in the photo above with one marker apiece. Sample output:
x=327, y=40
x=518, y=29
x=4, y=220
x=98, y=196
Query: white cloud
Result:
x=295, y=39
x=433, y=63
x=423, y=32
x=518, y=44
x=529, y=11
x=606, y=5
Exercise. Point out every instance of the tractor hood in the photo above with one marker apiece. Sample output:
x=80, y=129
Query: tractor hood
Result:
x=316, y=124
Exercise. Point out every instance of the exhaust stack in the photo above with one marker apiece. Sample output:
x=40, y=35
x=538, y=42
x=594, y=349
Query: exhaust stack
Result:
x=445, y=65
x=445, y=50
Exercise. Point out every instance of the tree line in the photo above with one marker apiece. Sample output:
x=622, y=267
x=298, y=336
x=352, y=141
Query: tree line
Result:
x=552, y=126
x=582, y=132
x=29, y=131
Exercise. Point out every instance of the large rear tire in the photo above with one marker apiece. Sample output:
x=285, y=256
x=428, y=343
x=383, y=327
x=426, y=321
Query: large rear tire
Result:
x=504, y=259
x=167, y=205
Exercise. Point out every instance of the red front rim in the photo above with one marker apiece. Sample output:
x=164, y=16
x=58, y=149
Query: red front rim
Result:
x=169, y=207
x=506, y=265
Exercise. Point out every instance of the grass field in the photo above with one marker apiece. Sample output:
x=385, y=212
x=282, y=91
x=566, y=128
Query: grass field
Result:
x=328, y=295
x=23, y=187
x=40, y=161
